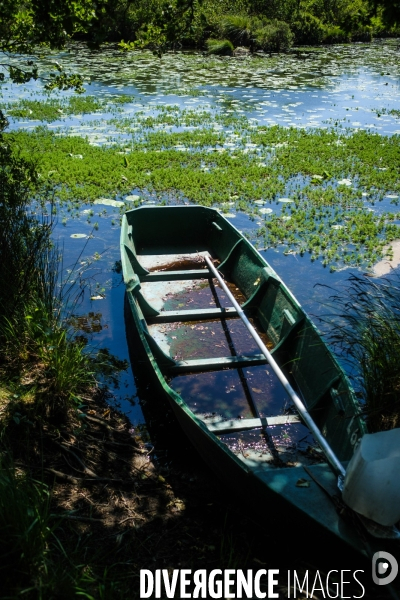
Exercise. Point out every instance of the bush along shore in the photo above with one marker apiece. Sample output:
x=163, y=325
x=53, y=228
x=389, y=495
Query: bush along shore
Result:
x=222, y=26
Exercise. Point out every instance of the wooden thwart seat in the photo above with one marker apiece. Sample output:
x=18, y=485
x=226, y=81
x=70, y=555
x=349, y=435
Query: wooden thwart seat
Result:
x=214, y=364
x=176, y=275
x=220, y=426
x=172, y=316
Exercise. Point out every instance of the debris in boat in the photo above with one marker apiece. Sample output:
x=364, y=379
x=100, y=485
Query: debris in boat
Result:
x=304, y=483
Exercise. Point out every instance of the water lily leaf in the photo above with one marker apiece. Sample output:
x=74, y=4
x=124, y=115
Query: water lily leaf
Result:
x=266, y=211
x=109, y=202
x=344, y=182
x=285, y=200
x=132, y=198
x=78, y=235
x=316, y=178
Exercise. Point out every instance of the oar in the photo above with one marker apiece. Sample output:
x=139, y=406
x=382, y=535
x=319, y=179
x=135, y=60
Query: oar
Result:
x=374, y=529
x=305, y=415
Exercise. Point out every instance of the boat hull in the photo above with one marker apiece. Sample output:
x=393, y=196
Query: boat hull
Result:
x=270, y=493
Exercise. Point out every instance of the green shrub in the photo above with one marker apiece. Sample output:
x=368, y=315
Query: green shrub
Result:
x=275, y=36
x=363, y=34
x=25, y=239
x=307, y=29
x=220, y=47
x=333, y=34
x=34, y=343
x=239, y=29
x=378, y=27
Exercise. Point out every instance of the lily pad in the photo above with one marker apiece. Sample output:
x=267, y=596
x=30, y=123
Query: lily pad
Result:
x=132, y=198
x=109, y=202
x=266, y=211
x=344, y=182
x=227, y=215
x=316, y=178
x=285, y=200
x=78, y=235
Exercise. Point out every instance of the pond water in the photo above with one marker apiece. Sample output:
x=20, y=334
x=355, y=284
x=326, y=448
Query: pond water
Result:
x=135, y=98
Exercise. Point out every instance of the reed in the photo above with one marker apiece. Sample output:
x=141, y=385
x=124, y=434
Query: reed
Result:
x=24, y=528
x=36, y=349
x=367, y=334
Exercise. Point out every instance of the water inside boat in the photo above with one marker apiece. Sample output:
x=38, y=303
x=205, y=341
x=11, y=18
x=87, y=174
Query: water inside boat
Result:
x=224, y=398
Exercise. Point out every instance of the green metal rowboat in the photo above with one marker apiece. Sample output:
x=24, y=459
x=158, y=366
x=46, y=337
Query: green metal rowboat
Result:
x=280, y=423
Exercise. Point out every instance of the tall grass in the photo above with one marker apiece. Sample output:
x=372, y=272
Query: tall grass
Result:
x=24, y=528
x=367, y=333
x=48, y=368
x=35, y=347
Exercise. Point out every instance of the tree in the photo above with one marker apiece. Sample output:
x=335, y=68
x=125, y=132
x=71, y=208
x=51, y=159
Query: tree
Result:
x=391, y=11
x=26, y=27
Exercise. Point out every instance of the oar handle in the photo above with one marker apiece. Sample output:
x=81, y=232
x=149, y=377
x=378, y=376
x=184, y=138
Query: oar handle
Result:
x=305, y=415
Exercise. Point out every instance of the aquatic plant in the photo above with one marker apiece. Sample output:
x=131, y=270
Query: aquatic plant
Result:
x=53, y=109
x=209, y=164
x=366, y=333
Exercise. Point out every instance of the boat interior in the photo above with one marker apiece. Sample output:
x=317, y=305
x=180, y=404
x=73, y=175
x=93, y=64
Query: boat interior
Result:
x=207, y=355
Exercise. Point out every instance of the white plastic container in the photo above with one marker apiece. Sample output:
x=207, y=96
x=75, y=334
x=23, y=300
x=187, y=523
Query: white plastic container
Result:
x=372, y=481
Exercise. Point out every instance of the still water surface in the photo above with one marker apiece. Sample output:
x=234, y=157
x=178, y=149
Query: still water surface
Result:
x=351, y=87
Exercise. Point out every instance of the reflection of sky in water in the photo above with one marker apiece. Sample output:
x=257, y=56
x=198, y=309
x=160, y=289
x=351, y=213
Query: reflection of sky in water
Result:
x=345, y=86
x=314, y=88
x=352, y=102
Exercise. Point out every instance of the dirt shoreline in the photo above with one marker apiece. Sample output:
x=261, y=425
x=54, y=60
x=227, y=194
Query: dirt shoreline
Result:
x=386, y=265
x=122, y=506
